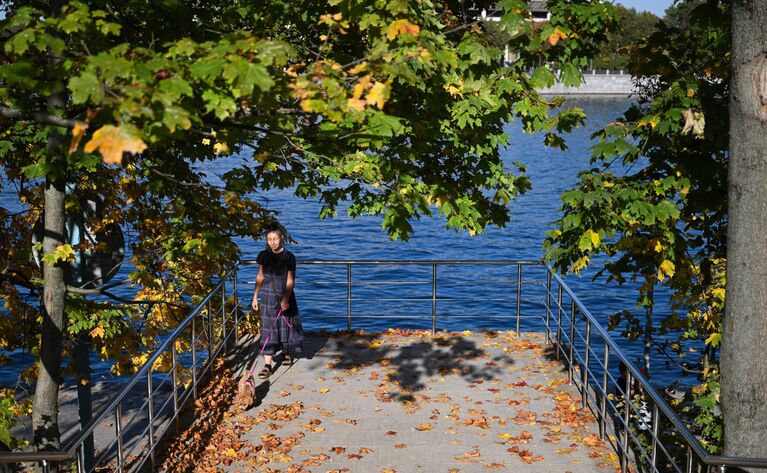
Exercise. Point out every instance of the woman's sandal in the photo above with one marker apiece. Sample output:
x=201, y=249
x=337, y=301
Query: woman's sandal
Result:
x=266, y=372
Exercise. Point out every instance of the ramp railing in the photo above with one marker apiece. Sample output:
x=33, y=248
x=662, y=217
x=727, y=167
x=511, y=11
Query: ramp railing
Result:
x=633, y=416
x=136, y=430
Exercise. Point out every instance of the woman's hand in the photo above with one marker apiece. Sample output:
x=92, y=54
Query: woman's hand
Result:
x=284, y=305
x=255, y=304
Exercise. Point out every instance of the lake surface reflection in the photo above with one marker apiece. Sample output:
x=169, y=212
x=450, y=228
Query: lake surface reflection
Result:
x=550, y=171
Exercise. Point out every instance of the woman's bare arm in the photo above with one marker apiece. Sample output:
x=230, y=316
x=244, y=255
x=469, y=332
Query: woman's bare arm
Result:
x=288, y=290
x=259, y=283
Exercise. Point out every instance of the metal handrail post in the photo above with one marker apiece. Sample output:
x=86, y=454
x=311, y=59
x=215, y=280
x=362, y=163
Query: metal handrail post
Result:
x=603, y=403
x=655, y=430
x=194, y=359
x=174, y=359
x=586, y=363
x=689, y=459
x=626, y=418
x=223, y=311
x=150, y=393
x=119, y=434
x=559, y=321
x=548, y=303
x=80, y=459
x=572, y=340
x=434, y=298
x=236, y=301
x=210, y=332
x=519, y=293
x=349, y=297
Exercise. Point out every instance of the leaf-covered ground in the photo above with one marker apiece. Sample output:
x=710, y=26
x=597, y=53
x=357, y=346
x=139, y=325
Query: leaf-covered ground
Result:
x=400, y=401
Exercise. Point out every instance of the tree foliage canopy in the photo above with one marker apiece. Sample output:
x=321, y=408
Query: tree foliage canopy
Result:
x=394, y=108
x=655, y=199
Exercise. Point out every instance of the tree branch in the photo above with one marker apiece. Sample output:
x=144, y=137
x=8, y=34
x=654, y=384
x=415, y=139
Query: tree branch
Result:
x=39, y=117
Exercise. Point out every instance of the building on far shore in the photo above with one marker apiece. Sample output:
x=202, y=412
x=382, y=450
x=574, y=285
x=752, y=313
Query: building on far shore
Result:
x=595, y=82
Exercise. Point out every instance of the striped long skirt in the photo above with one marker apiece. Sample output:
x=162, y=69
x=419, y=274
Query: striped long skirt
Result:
x=280, y=332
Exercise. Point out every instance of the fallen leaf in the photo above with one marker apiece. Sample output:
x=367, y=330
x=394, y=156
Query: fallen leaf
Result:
x=495, y=466
x=338, y=450
x=424, y=427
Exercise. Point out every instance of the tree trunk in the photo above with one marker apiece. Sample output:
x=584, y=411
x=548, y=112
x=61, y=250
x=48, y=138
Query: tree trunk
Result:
x=45, y=409
x=45, y=421
x=744, y=360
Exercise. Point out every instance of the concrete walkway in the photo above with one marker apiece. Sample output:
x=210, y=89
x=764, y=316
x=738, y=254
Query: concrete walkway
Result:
x=410, y=402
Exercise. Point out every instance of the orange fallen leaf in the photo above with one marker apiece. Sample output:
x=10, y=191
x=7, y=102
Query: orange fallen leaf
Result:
x=423, y=427
x=338, y=450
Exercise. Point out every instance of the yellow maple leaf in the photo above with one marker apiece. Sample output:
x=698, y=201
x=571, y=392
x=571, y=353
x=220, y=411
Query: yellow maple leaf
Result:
x=361, y=67
x=666, y=268
x=455, y=89
x=324, y=390
x=594, y=237
x=77, y=135
x=362, y=84
x=221, y=148
x=356, y=104
x=556, y=36
x=378, y=94
x=97, y=332
x=401, y=26
x=112, y=141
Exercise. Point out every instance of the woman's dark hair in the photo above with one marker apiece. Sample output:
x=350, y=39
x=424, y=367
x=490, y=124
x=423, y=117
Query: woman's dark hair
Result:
x=274, y=227
x=272, y=258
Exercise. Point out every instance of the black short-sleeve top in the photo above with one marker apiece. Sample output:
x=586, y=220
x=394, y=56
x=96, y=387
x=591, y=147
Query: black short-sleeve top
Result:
x=278, y=263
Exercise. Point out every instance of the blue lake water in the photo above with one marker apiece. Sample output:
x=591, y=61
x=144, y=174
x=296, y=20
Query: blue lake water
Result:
x=551, y=172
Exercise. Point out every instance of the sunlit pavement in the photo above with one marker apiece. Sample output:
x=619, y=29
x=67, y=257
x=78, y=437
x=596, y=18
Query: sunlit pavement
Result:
x=406, y=402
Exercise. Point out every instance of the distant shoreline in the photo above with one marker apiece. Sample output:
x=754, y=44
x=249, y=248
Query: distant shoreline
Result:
x=604, y=84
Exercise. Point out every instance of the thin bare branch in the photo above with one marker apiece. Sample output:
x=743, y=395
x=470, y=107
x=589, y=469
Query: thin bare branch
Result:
x=39, y=117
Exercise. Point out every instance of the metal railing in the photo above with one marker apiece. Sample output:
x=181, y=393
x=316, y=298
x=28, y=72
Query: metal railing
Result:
x=632, y=415
x=646, y=433
x=137, y=430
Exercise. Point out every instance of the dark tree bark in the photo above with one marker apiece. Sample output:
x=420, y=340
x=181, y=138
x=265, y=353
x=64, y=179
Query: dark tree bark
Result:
x=45, y=423
x=744, y=359
x=45, y=410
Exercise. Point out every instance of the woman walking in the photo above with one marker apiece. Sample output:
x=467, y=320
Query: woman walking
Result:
x=280, y=320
